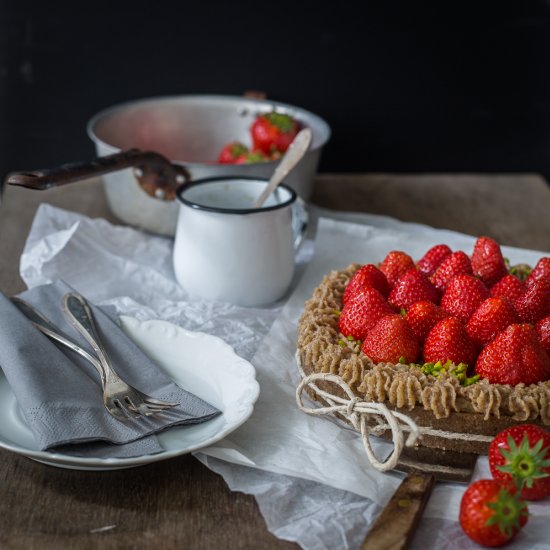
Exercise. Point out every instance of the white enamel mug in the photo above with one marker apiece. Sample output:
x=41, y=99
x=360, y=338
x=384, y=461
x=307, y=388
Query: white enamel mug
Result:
x=227, y=250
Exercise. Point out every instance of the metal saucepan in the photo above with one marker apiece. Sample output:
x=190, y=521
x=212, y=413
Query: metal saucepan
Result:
x=147, y=148
x=190, y=131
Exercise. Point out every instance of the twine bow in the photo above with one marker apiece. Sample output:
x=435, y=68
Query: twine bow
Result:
x=356, y=411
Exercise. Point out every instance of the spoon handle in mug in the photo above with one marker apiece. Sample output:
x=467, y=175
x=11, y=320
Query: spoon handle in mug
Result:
x=294, y=154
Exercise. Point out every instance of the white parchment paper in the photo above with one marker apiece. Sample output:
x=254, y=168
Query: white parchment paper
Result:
x=311, y=478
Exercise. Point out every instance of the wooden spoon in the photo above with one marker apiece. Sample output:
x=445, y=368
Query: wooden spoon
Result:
x=293, y=155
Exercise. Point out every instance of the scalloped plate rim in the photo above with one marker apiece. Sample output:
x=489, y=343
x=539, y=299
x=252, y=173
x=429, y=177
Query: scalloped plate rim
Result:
x=240, y=409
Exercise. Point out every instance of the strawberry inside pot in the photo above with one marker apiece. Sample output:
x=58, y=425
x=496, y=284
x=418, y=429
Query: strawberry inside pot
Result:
x=147, y=148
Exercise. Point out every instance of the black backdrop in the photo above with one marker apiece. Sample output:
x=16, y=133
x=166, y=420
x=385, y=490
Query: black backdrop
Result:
x=406, y=86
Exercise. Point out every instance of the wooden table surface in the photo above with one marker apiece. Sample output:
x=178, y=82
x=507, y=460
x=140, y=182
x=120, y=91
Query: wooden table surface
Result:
x=179, y=503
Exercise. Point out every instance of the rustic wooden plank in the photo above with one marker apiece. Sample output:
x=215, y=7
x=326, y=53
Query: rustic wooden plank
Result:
x=513, y=209
x=176, y=503
x=394, y=527
x=179, y=503
x=17, y=211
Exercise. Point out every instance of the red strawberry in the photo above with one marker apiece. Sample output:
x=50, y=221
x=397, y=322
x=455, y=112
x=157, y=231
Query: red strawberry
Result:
x=273, y=132
x=394, y=265
x=521, y=454
x=455, y=264
x=543, y=332
x=423, y=316
x=487, y=261
x=491, y=317
x=413, y=286
x=362, y=312
x=367, y=276
x=463, y=296
x=448, y=340
x=534, y=304
x=510, y=287
x=540, y=271
x=515, y=356
x=391, y=340
x=492, y=512
x=233, y=153
x=433, y=258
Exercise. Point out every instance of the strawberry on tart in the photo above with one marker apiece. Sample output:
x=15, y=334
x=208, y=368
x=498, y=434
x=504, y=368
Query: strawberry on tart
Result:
x=459, y=343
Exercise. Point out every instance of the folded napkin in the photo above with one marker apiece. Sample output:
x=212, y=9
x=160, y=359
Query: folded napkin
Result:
x=60, y=392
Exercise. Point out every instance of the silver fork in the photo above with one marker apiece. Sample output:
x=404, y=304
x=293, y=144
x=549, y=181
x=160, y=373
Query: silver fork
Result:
x=53, y=332
x=119, y=397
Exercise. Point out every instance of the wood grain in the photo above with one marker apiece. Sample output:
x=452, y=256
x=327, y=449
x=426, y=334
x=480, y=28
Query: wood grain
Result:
x=510, y=208
x=176, y=503
x=179, y=503
x=394, y=527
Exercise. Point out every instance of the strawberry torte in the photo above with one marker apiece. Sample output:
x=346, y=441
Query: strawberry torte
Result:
x=458, y=342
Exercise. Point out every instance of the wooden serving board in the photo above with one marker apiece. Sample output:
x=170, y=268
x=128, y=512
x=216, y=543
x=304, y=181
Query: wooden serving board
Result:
x=395, y=526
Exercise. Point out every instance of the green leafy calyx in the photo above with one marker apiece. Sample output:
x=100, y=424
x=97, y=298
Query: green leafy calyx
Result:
x=283, y=122
x=525, y=463
x=508, y=510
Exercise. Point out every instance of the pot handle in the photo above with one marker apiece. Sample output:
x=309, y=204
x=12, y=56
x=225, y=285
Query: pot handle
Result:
x=156, y=175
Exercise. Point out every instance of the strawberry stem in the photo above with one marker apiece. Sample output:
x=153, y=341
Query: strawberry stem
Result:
x=524, y=463
x=281, y=121
x=508, y=510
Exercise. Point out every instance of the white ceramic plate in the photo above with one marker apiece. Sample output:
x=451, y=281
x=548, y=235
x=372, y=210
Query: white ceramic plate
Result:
x=202, y=364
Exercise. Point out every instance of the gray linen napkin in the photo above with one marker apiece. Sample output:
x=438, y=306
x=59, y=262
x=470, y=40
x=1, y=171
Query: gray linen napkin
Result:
x=60, y=393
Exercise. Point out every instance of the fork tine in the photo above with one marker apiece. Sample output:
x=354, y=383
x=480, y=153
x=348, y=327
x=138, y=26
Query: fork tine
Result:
x=148, y=409
x=158, y=408
x=138, y=404
x=124, y=397
x=135, y=407
x=114, y=409
x=158, y=402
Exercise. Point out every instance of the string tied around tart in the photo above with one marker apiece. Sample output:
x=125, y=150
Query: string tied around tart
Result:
x=356, y=410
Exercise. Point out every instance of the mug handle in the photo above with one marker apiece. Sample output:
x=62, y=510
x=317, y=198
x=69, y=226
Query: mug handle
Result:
x=300, y=221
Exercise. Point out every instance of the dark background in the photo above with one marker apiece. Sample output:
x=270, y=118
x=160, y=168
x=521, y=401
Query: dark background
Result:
x=405, y=86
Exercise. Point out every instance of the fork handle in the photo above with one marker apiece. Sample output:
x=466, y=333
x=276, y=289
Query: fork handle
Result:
x=81, y=317
x=49, y=329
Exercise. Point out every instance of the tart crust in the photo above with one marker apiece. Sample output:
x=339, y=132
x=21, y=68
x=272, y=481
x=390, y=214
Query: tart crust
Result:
x=451, y=416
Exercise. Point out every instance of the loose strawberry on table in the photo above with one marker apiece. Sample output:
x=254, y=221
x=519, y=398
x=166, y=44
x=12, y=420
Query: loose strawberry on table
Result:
x=492, y=512
x=521, y=454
